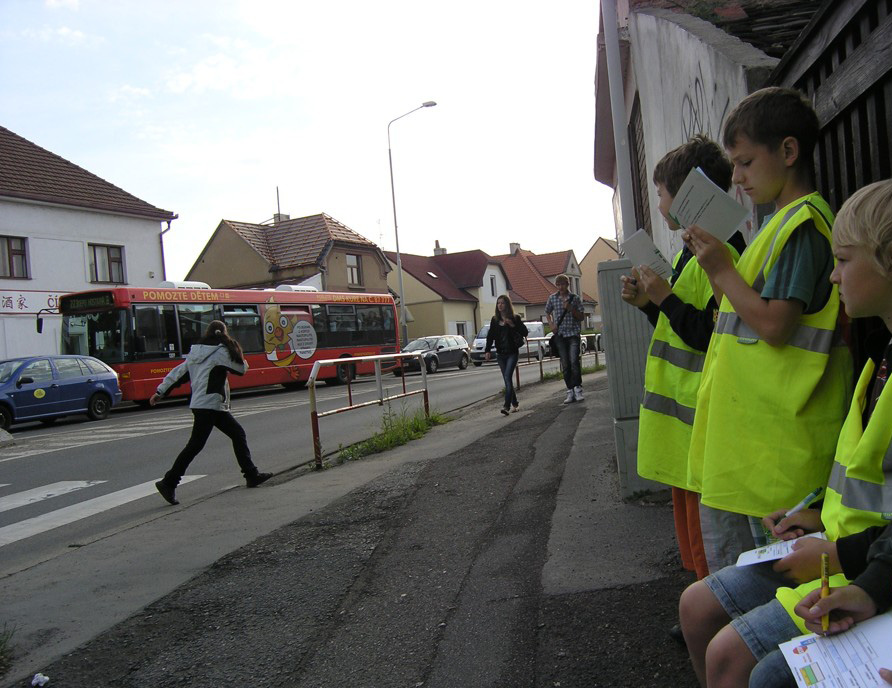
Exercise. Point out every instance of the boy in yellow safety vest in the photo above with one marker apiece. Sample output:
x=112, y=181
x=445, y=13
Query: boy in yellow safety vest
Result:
x=682, y=312
x=777, y=377
x=734, y=620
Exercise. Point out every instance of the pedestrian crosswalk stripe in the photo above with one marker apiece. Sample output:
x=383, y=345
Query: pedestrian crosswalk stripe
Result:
x=38, y=494
x=70, y=514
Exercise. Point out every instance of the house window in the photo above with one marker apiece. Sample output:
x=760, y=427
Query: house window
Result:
x=492, y=285
x=354, y=270
x=13, y=257
x=106, y=264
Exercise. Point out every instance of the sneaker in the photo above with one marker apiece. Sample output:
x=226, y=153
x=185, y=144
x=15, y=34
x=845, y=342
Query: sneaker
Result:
x=514, y=409
x=258, y=479
x=167, y=492
x=504, y=411
x=578, y=393
x=571, y=397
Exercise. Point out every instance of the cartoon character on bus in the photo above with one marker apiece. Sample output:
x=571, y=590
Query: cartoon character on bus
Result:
x=278, y=340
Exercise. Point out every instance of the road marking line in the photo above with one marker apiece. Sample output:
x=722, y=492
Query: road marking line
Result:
x=38, y=494
x=70, y=514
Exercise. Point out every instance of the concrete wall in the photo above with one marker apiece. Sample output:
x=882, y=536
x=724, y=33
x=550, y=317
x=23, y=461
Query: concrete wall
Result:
x=374, y=275
x=227, y=261
x=59, y=262
x=689, y=76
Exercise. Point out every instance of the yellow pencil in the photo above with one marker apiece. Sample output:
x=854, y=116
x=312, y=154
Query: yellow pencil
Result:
x=825, y=588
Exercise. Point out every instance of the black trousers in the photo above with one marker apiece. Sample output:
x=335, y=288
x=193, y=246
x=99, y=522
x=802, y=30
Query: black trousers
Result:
x=205, y=420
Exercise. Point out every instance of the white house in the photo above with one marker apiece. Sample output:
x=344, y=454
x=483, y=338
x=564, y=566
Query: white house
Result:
x=63, y=229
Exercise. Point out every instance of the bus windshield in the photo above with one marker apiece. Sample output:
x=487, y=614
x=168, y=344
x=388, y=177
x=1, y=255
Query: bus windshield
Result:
x=96, y=334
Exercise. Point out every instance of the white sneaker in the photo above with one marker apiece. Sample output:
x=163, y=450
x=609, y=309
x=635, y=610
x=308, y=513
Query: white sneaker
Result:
x=578, y=393
x=571, y=397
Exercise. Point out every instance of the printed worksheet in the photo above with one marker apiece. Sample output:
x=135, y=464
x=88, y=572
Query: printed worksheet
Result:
x=700, y=202
x=851, y=659
x=641, y=250
x=772, y=552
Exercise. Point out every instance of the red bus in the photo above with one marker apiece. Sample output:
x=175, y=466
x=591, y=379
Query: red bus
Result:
x=144, y=332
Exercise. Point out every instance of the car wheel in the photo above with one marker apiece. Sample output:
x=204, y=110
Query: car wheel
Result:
x=463, y=363
x=5, y=418
x=582, y=346
x=477, y=364
x=98, y=406
x=432, y=364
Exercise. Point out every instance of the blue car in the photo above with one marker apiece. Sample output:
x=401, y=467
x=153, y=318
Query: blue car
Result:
x=47, y=387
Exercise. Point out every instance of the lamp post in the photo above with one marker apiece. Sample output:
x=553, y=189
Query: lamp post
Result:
x=404, y=331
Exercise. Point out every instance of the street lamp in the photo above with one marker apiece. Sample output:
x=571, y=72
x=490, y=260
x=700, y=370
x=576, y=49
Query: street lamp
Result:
x=404, y=332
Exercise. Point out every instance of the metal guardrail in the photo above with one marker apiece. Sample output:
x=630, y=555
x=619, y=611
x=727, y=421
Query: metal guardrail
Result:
x=349, y=361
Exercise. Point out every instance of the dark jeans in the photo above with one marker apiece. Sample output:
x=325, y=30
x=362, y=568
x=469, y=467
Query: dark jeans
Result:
x=507, y=364
x=568, y=350
x=205, y=420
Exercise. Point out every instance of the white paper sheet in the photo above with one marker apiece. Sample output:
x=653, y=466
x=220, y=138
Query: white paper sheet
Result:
x=700, y=202
x=772, y=552
x=641, y=250
x=851, y=659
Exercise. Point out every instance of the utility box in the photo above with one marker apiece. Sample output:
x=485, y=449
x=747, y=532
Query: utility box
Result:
x=625, y=336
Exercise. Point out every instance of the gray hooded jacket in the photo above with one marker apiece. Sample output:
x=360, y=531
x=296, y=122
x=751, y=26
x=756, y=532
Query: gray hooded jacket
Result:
x=206, y=367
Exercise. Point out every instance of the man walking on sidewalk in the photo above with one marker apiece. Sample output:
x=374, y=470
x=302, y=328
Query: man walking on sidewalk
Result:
x=565, y=312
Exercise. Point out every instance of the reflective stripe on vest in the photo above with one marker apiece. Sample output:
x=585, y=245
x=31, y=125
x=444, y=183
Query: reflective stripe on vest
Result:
x=689, y=360
x=668, y=407
x=804, y=336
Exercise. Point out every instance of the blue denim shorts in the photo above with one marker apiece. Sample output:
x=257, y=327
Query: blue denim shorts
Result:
x=747, y=594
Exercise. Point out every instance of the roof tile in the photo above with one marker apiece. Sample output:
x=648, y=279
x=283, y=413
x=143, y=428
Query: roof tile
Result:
x=30, y=172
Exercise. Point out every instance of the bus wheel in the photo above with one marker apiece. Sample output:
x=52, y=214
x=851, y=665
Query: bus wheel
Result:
x=344, y=373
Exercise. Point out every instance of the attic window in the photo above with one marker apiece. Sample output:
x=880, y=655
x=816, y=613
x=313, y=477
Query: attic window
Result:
x=432, y=274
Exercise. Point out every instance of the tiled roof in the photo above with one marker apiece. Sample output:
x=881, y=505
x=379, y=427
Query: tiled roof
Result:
x=549, y=264
x=302, y=241
x=431, y=273
x=466, y=268
x=525, y=279
x=770, y=26
x=30, y=172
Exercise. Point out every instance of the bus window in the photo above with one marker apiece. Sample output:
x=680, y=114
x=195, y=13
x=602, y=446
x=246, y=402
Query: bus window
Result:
x=370, y=320
x=194, y=320
x=95, y=334
x=243, y=324
x=342, y=325
x=155, y=332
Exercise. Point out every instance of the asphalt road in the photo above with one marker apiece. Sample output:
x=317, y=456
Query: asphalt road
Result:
x=75, y=482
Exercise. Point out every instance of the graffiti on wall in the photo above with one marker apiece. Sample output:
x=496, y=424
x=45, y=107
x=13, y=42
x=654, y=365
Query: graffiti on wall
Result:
x=703, y=111
x=703, y=108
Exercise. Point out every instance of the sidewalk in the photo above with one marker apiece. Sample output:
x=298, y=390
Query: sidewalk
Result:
x=493, y=547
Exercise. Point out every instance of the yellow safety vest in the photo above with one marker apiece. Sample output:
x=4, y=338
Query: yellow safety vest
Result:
x=857, y=475
x=671, y=381
x=768, y=417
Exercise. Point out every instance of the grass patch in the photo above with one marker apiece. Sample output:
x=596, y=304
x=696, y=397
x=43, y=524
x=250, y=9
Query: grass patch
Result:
x=397, y=428
x=6, y=648
x=558, y=375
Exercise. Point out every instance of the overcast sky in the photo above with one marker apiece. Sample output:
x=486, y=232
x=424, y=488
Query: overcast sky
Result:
x=204, y=107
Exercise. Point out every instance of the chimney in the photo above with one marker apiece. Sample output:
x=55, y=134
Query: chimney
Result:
x=513, y=247
x=437, y=250
x=280, y=217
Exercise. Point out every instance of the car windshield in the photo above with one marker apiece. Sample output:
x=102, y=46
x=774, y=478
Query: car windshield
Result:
x=483, y=332
x=420, y=345
x=8, y=368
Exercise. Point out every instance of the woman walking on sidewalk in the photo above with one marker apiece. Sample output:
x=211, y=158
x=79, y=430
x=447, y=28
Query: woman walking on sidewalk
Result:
x=507, y=331
x=207, y=366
